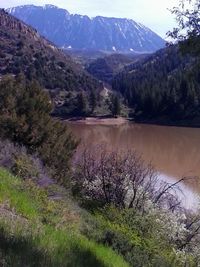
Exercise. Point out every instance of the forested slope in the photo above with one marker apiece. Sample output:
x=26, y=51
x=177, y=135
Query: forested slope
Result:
x=163, y=87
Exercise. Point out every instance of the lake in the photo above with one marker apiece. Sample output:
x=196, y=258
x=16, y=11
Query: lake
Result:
x=173, y=151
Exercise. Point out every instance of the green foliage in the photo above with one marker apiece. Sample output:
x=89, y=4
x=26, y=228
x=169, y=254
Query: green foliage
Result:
x=93, y=101
x=163, y=87
x=25, y=112
x=25, y=168
x=25, y=119
x=138, y=238
x=115, y=105
x=18, y=161
x=188, y=30
x=82, y=104
x=38, y=231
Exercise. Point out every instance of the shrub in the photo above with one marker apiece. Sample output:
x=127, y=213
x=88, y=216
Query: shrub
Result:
x=142, y=239
x=16, y=159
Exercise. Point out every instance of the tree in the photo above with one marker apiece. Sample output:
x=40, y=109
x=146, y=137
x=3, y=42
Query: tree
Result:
x=121, y=179
x=115, y=105
x=25, y=119
x=93, y=100
x=188, y=30
x=82, y=104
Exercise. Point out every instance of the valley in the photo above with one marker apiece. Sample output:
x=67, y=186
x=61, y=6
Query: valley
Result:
x=99, y=135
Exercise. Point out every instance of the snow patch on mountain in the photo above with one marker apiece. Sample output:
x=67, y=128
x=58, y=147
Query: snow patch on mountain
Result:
x=82, y=32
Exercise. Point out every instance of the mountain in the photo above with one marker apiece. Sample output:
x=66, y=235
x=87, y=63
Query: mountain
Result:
x=85, y=57
x=162, y=88
x=23, y=50
x=106, y=67
x=81, y=32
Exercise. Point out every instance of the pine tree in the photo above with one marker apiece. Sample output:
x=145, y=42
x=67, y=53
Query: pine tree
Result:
x=93, y=101
x=82, y=104
x=115, y=106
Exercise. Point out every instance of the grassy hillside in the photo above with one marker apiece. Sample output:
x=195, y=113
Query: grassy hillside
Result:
x=36, y=230
x=41, y=224
x=44, y=226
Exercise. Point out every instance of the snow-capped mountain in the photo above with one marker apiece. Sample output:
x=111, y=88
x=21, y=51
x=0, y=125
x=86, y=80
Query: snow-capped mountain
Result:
x=81, y=32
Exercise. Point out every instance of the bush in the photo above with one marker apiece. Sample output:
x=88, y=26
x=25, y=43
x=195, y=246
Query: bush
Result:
x=141, y=239
x=16, y=159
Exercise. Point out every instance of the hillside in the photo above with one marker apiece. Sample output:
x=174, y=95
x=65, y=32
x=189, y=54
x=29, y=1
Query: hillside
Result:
x=63, y=206
x=81, y=32
x=23, y=50
x=105, y=68
x=42, y=225
x=36, y=230
x=85, y=57
x=163, y=88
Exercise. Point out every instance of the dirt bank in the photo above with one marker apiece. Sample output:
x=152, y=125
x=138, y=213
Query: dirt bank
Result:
x=99, y=121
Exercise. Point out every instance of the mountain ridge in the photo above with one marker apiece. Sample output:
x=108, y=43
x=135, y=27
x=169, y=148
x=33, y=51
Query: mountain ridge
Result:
x=75, y=31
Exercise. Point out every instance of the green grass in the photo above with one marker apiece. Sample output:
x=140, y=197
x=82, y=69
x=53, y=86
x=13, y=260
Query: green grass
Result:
x=37, y=231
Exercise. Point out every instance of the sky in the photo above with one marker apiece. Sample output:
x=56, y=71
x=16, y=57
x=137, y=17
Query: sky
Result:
x=152, y=13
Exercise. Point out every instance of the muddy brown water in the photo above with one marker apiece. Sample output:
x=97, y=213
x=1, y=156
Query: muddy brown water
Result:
x=174, y=151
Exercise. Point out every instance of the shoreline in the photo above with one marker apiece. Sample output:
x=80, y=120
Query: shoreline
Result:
x=98, y=120
x=107, y=120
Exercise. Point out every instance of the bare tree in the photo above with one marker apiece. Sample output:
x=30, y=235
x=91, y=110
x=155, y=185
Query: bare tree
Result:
x=122, y=179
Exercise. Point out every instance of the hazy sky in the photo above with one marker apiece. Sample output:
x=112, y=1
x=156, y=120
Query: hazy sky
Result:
x=152, y=13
